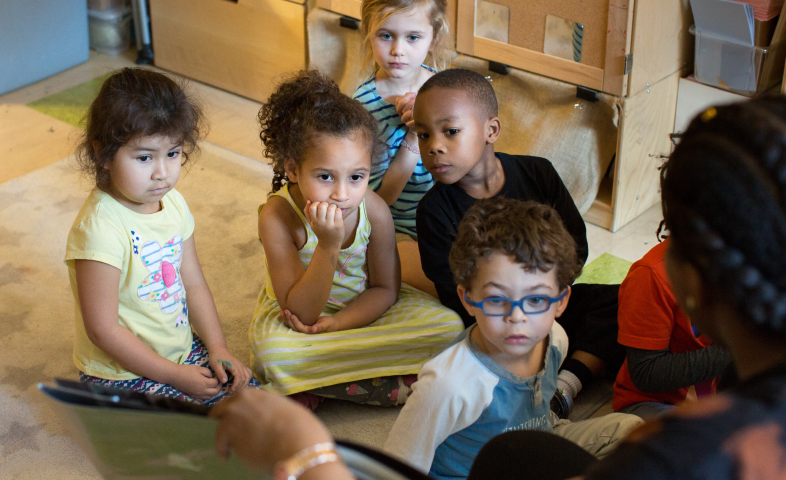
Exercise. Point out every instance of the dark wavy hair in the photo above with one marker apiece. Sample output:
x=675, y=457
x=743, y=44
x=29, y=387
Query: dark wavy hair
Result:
x=136, y=102
x=303, y=107
x=530, y=232
x=724, y=203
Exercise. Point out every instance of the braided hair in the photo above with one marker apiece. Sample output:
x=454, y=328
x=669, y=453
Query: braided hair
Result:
x=724, y=203
x=304, y=106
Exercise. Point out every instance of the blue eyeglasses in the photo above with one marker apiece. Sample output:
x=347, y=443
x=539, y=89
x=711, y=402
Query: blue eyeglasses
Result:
x=503, y=306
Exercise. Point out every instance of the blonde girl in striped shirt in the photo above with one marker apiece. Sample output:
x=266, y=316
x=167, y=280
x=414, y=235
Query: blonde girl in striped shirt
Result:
x=406, y=43
x=333, y=319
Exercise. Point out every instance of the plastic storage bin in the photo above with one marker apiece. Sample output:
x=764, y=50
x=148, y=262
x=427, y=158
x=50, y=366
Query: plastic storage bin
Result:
x=110, y=30
x=107, y=4
x=737, y=67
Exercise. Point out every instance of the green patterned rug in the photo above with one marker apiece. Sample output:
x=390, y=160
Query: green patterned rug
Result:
x=70, y=105
x=606, y=269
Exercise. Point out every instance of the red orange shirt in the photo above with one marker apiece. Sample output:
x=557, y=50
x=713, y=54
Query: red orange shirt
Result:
x=649, y=319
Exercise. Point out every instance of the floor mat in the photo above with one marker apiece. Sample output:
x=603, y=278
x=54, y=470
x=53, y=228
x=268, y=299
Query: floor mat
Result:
x=71, y=104
x=606, y=269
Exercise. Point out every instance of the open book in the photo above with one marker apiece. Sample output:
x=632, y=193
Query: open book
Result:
x=132, y=435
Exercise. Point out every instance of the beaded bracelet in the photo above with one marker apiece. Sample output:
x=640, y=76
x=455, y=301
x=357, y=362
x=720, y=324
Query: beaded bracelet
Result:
x=306, y=459
x=409, y=147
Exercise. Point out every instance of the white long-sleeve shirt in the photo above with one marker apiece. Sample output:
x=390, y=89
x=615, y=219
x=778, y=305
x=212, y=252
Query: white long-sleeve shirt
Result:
x=463, y=399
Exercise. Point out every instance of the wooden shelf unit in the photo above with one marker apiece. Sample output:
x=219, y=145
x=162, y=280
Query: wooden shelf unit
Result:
x=646, y=49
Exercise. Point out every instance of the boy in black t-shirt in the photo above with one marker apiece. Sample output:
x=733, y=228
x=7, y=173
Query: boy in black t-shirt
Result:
x=456, y=122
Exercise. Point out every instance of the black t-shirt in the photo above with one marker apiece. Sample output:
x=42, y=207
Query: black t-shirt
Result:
x=442, y=208
x=739, y=434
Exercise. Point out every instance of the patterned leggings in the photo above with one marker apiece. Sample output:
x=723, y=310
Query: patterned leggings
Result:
x=198, y=356
x=383, y=391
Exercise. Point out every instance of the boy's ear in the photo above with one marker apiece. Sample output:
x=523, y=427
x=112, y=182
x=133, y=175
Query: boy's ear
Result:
x=493, y=129
x=290, y=168
x=461, y=292
x=563, y=304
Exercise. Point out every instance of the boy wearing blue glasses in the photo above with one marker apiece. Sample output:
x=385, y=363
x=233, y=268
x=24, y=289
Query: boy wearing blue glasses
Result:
x=456, y=119
x=513, y=263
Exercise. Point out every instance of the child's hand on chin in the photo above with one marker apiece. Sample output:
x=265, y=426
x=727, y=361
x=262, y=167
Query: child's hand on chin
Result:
x=324, y=324
x=195, y=381
x=327, y=222
x=223, y=362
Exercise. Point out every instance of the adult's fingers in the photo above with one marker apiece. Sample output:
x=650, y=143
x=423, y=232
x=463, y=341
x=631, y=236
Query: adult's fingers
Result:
x=223, y=438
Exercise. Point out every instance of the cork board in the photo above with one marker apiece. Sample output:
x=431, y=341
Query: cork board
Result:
x=528, y=24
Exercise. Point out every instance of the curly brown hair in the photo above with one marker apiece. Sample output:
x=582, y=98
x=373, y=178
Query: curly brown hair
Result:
x=531, y=232
x=135, y=102
x=304, y=106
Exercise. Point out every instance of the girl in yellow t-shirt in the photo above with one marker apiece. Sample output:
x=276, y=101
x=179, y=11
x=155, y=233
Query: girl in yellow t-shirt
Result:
x=131, y=255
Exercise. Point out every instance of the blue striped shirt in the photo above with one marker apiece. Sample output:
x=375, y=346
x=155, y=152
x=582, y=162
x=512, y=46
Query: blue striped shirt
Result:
x=391, y=132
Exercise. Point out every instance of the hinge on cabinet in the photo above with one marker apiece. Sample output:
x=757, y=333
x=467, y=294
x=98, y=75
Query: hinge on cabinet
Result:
x=628, y=63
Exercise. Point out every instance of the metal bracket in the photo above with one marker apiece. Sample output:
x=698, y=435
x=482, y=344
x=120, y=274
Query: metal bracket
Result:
x=628, y=63
x=349, y=22
x=500, y=68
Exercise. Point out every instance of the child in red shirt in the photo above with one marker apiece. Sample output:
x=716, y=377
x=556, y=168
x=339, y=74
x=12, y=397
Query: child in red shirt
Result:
x=665, y=354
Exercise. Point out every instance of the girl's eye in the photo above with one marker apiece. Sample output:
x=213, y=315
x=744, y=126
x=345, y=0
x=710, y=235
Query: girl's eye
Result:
x=356, y=177
x=385, y=36
x=143, y=158
x=324, y=177
x=413, y=38
x=173, y=154
x=453, y=131
x=423, y=136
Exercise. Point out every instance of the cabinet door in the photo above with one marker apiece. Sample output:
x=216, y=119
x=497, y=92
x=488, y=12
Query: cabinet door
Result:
x=527, y=34
x=241, y=47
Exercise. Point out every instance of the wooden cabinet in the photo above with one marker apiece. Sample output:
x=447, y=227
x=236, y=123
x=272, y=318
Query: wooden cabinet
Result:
x=633, y=49
x=348, y=8
x=241, y=46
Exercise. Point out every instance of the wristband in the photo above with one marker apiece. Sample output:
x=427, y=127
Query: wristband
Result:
x=409, y=147
x=304, y=460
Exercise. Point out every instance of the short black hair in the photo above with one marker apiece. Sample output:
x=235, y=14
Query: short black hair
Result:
x=472, y=83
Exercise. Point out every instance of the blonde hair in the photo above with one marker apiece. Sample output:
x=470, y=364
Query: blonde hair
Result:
x=437, y=10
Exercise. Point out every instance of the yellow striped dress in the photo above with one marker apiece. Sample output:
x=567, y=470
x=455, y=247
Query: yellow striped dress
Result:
x=415, y=328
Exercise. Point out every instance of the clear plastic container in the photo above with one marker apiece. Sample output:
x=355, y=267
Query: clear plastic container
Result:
x=107, y=4
x=110, y=30
x=736, y=67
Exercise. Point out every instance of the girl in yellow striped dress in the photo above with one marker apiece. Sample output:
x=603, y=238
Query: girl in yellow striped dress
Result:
x=333, y=318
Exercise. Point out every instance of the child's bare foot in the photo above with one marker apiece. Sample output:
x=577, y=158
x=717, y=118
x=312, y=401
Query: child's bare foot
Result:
x=308, y=400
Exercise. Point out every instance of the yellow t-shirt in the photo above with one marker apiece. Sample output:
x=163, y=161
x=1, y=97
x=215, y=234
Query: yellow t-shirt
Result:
x=147, y=249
